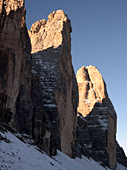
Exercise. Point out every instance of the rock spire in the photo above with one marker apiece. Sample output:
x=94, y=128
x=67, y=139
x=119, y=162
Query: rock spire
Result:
x=97, y=118
x=51, y=58
x=39, y=93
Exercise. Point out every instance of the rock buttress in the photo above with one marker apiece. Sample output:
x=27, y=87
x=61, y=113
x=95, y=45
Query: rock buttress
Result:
x=15, y=76
x=96, y=130
x=51, y=46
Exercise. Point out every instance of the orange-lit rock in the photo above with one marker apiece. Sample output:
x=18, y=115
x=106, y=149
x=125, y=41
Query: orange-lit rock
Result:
x=97, y=135
x=15, y=53
x=51, y=56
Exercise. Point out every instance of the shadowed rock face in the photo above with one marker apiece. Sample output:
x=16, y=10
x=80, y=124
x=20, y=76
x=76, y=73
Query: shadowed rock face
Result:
x=15, y=77
x=121, y=157
x=96, y=131
x=51, y=58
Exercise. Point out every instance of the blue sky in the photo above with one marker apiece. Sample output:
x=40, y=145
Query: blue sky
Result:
x=99, y=38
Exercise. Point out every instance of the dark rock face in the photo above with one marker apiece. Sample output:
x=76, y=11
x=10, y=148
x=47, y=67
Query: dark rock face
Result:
x=121, y=157
x=23, y=116
x=51, y=58
x=91, y=136
x=38, y=117
x=96, y=126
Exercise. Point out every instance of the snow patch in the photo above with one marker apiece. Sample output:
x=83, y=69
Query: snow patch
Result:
x=104, y=123
x=50, y=105
x=23, y=156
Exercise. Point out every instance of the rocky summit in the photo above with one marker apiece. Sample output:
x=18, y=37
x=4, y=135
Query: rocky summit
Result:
x=92, y=90
x=52, y=33
x=39, y=93
x=51, y=62
x=98, y=116
x=96, y=125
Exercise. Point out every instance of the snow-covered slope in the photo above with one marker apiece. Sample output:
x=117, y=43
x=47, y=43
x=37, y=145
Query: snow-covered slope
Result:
x=18, y=155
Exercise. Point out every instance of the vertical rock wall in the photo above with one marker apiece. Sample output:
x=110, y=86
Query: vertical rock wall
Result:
x=38, y=116
x=15, y=77
x=52, y=82
x=97, y=135
x=44, y=104
x=51, y=47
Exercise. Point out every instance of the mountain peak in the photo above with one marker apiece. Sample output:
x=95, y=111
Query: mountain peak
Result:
x=45, y=34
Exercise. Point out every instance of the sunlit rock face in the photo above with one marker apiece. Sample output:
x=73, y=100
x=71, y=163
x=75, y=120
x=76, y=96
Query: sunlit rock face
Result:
x=92, y=89
x=51, y=59
x=96, y=130
x=15, y=77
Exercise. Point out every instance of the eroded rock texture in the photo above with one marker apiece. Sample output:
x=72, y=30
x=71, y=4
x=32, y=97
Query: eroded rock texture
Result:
x=15, y=77
x=51, y=57
x=96, y=130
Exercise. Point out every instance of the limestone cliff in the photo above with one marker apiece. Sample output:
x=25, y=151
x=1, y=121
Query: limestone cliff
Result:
x=39, y=94
x=51, y=58
x=96, y=131
x=15, y=77
x=52, y=81
x=21, y=105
